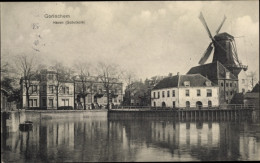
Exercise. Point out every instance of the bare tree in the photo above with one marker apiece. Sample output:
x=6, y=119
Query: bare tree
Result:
x=130, y=79
x=63, y=73
x=109, y=75
x=252, y=78
x=26, y=65
x=83, y=70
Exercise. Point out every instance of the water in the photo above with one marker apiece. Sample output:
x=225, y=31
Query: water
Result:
x=94, y=137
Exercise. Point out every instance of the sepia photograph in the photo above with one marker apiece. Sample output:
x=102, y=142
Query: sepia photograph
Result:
x=130, y=81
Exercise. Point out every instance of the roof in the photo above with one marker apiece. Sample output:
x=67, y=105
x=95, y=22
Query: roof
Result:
x=252, y=95
x=196, y=80
x=223, y=36
x=212, y=71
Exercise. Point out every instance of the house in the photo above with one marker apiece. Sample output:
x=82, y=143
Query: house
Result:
x=191, y=90
x=221, y=76
x=243, y=82
x=43, y=92
x=95, y=93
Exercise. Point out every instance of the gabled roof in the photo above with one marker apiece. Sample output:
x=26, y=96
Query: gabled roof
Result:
x=212, y=71
x=196, y=80
x=167, y=82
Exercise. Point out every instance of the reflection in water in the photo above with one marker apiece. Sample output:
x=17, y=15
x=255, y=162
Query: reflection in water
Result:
x=98, y=139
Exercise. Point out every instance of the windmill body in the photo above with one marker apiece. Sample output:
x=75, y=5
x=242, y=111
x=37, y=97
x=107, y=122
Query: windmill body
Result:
x=225, y=50
x=225, y=65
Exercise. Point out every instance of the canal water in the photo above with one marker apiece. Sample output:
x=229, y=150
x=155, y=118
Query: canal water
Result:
x=93, y=137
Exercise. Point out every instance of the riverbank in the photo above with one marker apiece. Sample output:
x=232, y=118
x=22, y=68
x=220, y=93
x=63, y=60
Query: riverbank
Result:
x=57, y=111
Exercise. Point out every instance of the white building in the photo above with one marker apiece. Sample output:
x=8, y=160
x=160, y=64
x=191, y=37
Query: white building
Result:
x=192, y=90
x=243, y=82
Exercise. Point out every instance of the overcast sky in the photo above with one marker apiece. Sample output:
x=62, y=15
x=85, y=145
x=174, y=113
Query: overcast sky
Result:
x=150, y=38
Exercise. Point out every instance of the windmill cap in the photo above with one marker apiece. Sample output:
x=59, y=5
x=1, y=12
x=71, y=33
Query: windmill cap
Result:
x=223, y=36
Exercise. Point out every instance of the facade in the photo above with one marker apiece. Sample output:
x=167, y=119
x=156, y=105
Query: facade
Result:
x=43, y=94
x=191, y=90
x=243, y=82
x=221, y=76
x=4, y=96
x=96, y=95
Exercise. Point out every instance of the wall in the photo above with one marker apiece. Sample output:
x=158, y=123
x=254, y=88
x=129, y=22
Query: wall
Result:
x=193, y=98
x=180, y=97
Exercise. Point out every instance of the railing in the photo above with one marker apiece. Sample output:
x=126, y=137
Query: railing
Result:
x=226, y=106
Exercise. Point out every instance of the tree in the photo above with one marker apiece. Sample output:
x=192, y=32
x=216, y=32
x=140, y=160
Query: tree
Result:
x=63, y=73
x=109, y=75
x=130, y=79
x=26, y=65
x=83, y=70
x=252, y=79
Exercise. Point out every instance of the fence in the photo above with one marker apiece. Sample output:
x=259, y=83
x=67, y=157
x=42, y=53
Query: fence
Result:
x=224, y=106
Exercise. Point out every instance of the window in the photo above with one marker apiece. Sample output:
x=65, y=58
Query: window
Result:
x=115, y=100
x=65, y=102
x=30, y=102
x=51, y=89
x=153, y=94
x=50, y=77
x=173, y=104
x=31, y=89
x=231, y=93
x=173, y=93
x=187, y=92
x=168, y=93
x=44, y=88
x=198, y=92
x=50, y=102
x=227, y=75
x=67, y=90
x=187, y=104
x=230, y=84
x=187, y=83
x=209, y=104
x=158, y=94
x=162, y=93
x=209, y=92
x=227, y=93
x=222, y=84
x=100, y=91
x=34, y=102
x=208, y=83
x=35, y=88
x=43, y=101
x=226, y=84
x=154, y=104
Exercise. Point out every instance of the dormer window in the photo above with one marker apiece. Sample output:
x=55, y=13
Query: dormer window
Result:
x=208, y=83
x=187, y=83
x=227, y=75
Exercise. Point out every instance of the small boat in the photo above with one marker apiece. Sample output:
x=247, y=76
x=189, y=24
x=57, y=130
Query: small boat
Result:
x=26, y=126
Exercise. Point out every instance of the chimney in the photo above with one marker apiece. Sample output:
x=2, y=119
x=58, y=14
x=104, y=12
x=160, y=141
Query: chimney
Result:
x=170, y=75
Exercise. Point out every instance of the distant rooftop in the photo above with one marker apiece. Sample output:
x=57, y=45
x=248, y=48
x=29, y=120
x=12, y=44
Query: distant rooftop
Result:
x=195, y=80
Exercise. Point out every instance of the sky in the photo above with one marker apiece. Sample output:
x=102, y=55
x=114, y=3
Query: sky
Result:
x=148, y=38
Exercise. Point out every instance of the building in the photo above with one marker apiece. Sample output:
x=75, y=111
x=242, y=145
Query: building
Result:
x=221, y=76
x=243, y=82
x=4, y=96
x=95, y=93
x=43, y=92
x=191, y=90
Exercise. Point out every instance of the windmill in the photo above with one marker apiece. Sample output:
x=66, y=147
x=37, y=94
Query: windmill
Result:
x=225, y=50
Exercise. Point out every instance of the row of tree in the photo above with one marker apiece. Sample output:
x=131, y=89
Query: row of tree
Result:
x=29, y=68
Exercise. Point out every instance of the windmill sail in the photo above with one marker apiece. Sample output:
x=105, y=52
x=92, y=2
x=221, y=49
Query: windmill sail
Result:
x=206, y=54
